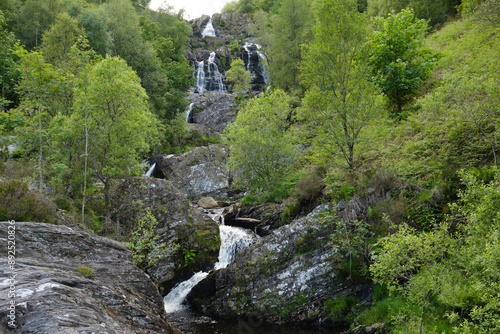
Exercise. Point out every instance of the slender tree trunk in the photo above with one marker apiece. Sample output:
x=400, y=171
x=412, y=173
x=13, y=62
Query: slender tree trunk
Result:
x=106, y=203
x=86, y=159
x=41, y=147
x=423, y=307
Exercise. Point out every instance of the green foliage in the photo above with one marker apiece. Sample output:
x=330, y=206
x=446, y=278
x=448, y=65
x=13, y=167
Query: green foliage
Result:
x=290, y=28
x=433, y=11
x=339, y=98
x=59, y=39
x=9, y=67
x=451, y=270
x=18, y=203
x=399, y=63
x=262, y=147
x=85, y=271
x=353, y=240
x=342, y=308
x=238, y=77
x=120, y=126
x=189, y=256
x=145, y=243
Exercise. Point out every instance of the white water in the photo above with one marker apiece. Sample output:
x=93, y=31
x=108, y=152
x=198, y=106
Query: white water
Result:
x=189, y=113
x=249, y=66
x=150, y=171
x=174, y=300
x=212, y=80
x=200, y=76
x=209, y=30
x=233, y=239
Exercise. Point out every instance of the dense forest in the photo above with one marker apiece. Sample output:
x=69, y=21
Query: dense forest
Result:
x=395, y=98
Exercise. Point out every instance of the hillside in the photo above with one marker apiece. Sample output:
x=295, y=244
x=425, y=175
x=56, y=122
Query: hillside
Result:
x=354, y=144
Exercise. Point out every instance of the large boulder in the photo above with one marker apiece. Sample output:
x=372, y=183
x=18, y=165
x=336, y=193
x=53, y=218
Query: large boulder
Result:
x=57, y=292
x=198, y=173
x=213, y=110
x=286, y=276
x=178, y=223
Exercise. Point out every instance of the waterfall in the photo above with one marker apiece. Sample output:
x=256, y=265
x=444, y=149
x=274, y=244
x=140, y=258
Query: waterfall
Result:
x=189, y=113
x=209, y=30
x=211, y=80
x=255, y=62
x=216, y=82
x=200, y=77
x=150, y=170
x=233, y=239
x=249, y=66
x=262, y=66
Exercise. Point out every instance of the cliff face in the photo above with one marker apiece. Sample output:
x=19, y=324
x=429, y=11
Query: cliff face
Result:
x=71, y=281
x=216, y=42
x=284, y=277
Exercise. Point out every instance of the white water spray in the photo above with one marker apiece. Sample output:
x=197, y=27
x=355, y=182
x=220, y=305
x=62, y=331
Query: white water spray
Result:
x=233, y=239
x=150, y=171
x=209, y=30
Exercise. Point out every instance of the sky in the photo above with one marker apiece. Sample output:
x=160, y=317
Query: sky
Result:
x=193, y=8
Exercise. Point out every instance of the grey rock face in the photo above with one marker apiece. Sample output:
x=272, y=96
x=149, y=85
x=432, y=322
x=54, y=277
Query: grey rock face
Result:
x=198, y=173
x=284, y=277
x=178, y=223
x=214, y=111
x=53, y=297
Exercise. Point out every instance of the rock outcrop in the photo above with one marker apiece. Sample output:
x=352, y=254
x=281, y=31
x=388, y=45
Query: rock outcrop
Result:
x=284, y=277
x=213, y=111
x=198, y=173
x=178, y=223
x=54, y=296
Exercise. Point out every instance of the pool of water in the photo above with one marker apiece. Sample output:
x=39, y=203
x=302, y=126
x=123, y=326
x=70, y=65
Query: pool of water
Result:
x=189, y=322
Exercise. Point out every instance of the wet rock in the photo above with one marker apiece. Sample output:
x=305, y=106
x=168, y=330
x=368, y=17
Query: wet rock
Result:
x=248, y=223
x=198, y=173
x=178, y=223
x=214, y=110
x=208, y=203
x=284, y=277
x=54, y=296
x=269, y=215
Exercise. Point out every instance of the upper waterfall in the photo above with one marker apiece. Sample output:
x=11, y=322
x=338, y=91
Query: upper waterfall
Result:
x=209, y=30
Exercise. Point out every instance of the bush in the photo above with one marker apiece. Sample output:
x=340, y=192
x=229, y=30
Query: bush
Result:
x=18, y=203
x=85, y=271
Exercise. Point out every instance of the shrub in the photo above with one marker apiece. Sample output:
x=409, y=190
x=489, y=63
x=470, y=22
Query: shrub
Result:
x=18, y=203
x=85, y=271
x=145, y=244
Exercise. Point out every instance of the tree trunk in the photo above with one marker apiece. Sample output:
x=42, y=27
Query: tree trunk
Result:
x=41, y=147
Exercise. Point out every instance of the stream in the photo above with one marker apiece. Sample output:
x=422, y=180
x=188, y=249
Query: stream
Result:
x=233, y=239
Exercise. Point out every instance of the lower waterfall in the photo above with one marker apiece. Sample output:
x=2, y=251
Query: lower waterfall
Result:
x=233, y=239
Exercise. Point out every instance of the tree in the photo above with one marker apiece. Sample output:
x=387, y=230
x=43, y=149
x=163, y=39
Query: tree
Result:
x=399, y=64
x=93, y=20
x=261, y=143
x=9, y=65
x=38, y=84
x=435, y=11
x=139, y=54
x=339, y=101
x=238, y=76
x=58, y=40
x=120, y=126
x=291, y=27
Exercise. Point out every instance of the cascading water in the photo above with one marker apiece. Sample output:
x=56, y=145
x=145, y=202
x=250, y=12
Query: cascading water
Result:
x=209, y=30
x=189, y=113
x=150, y=171
x=209, y=79
x=233, y=239
x=255, y=62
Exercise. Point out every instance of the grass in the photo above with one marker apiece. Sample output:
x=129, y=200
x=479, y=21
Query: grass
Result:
x=85, y=271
